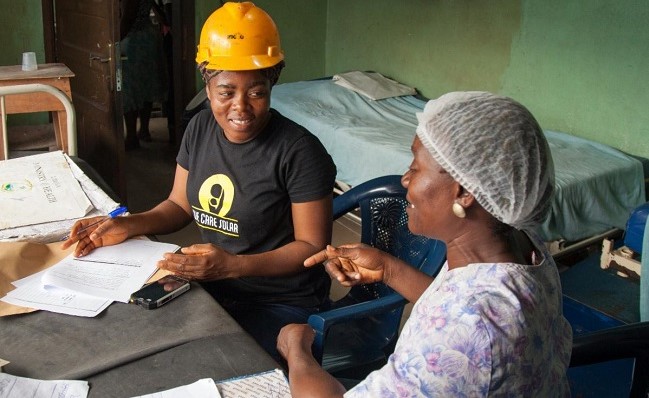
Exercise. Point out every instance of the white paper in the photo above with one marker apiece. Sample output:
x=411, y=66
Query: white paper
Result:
x=29, y=278
x=19, y=387
x=373, y=85
x=32, y=294
x=54, y=231
x=271, y=384
x=112, y=272
x=39, y=189
x=203, y=388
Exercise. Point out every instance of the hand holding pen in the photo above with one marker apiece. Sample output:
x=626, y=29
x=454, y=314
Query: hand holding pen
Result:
x=115, y=213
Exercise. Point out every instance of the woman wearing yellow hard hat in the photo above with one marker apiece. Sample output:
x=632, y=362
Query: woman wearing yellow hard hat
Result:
x=258, y=186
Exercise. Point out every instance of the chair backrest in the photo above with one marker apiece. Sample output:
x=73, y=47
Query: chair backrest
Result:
x=360, y=331
x=384, y=225
x=607, y=347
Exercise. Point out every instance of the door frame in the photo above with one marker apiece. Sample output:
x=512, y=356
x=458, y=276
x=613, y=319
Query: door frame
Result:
x=184, y=66
x=184, y=39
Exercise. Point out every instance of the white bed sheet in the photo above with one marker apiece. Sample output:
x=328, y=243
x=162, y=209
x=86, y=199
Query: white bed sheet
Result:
x=597, y=186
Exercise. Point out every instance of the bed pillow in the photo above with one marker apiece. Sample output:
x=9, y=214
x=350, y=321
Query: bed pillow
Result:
x=372, y=85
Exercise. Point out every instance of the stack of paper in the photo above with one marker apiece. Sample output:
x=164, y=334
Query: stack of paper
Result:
x=14, y=386
x=86, y=286
x=43, y=195
x=38, y=189
x=203, y=388
x=270, y=384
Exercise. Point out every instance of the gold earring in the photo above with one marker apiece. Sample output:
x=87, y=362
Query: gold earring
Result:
x=458, y=210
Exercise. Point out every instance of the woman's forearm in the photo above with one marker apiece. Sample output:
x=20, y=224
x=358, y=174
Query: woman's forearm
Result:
x=309, y=380
x=165, y=218
x=407, y=280
x=285, y=260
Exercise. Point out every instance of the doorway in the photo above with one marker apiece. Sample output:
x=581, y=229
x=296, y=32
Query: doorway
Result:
x=84, y=35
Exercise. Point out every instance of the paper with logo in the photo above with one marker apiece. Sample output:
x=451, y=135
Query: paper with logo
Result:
x=39, y=189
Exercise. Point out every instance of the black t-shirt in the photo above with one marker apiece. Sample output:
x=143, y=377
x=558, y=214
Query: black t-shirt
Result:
x=241, y=197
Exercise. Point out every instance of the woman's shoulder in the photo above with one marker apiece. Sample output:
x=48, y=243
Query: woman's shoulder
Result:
x=200, y=121
x=287, y=126
x=490, y=284
x=294, y=136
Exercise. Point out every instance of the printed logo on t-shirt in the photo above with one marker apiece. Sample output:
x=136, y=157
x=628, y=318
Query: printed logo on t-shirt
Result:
x=215, y=198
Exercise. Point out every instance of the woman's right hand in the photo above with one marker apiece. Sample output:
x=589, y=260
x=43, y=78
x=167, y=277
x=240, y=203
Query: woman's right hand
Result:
x=352, y=264
x=109, y=232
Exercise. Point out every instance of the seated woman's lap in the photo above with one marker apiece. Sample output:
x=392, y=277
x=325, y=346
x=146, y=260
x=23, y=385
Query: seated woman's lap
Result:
x=263, y=321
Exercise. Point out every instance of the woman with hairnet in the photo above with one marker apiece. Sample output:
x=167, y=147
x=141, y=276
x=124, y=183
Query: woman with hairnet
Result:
x=490, y=323
x=258, y=186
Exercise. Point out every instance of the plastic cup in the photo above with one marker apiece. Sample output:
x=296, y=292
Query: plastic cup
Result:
x=29, y=61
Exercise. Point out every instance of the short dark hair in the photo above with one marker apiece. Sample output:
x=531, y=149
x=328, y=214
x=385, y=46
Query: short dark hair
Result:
x=271, y=73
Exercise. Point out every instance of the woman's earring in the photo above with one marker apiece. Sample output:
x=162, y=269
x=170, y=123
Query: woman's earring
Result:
x=458, y=210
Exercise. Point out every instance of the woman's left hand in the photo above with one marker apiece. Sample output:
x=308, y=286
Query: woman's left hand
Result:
x=201, y=262
x=295, y=339
x=352, y=264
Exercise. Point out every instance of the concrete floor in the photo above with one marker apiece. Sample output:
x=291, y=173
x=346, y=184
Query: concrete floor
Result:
x=149, y=178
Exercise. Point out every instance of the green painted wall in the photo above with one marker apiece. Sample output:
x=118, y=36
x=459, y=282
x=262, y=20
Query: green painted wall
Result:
x=21, y=25
x=21, y=29
x=580, y=66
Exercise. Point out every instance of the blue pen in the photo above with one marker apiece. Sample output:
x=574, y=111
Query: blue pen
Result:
x=115, y=213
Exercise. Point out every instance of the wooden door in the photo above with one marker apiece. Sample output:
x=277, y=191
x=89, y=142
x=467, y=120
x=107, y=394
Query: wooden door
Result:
x=86, y=39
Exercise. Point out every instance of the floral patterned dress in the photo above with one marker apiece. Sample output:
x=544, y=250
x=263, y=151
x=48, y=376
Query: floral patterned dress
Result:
x=481, y=330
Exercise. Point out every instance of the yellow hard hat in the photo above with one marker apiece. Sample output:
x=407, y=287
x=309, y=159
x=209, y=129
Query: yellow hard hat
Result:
x=239, y=36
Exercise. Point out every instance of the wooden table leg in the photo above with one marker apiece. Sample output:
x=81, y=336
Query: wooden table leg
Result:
x=59, y=120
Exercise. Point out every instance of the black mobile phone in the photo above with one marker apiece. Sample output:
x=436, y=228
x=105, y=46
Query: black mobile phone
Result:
x=160, y=292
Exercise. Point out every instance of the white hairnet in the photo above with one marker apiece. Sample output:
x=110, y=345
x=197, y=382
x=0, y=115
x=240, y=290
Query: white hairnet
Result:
x=496, y=150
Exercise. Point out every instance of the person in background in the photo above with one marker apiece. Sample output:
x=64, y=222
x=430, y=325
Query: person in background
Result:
x=258, y=186
x=490, y=323
x=143, y=69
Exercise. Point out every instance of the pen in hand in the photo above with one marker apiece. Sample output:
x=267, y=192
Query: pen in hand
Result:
x=115, y=213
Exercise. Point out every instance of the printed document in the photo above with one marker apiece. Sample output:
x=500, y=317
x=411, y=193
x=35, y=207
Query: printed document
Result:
x=111, y=272
x=31, y=293
x=271, y=384
x=39, y=189
x=15, y=387
x=203, y=388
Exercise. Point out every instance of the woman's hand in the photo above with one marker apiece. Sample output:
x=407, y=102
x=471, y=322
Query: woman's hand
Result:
x=201, y=262
x=352, y=264
x=306, y=376
x=109, y=232
x=295, y=339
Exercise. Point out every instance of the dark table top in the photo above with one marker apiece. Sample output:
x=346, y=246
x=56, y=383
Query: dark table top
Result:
x=128, y=350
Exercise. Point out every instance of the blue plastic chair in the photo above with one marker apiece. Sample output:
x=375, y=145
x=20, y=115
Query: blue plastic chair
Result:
x=611, y=362
x=609, y=357
x=360, y=331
